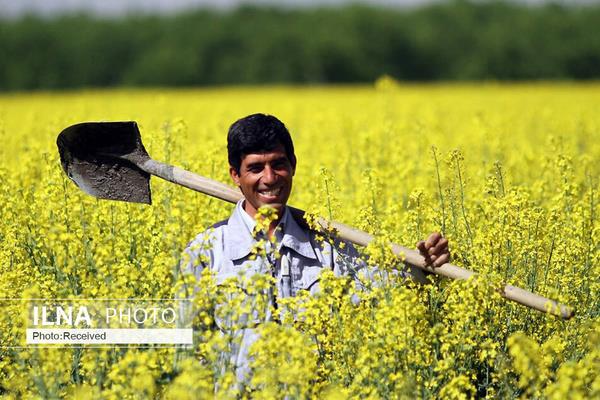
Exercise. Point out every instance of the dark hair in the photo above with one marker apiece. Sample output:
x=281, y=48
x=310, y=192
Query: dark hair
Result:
x=257, y=133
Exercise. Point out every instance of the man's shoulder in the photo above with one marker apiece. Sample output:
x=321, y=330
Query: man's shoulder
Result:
x=219, y=224
x=323, y=240
x=209, y=236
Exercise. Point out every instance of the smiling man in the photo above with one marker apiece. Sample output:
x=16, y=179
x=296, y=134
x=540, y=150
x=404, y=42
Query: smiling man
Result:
x=262, y=164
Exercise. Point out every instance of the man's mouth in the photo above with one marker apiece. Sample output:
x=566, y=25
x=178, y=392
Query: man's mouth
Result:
x=270, y=193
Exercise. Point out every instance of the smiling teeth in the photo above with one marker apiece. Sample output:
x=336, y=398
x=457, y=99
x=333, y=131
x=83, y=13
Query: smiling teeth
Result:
x=274, y=192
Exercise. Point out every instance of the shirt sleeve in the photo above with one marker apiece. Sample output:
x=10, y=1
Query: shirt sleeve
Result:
x=197, y=256
x=349, y=262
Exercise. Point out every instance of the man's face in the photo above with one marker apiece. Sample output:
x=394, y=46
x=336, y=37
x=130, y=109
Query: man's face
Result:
x=265, y=179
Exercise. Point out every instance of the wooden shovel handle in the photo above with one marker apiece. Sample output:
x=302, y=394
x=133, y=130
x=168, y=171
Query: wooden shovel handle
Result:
x=345, y=232
x=191, y=180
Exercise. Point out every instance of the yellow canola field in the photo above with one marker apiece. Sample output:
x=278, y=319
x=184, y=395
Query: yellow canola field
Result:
x=508, y=173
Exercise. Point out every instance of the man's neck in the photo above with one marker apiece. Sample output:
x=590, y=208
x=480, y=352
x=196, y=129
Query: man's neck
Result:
x=251, y=211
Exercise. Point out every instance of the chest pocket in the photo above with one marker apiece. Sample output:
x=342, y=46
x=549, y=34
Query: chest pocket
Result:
x=242, y=268
x=305, y=272
x=228, y=318
x=310, y=279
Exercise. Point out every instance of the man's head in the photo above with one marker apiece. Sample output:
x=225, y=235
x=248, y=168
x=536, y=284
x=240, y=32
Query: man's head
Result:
x=261, y=160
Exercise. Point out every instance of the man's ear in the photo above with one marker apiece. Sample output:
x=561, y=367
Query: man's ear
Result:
x=234, y=175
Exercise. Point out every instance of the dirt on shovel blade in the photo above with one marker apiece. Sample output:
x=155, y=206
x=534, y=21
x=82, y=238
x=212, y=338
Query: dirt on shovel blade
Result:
x=93, y=155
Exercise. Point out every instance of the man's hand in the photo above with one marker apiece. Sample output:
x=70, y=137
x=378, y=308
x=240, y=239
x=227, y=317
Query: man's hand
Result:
x=435, y=250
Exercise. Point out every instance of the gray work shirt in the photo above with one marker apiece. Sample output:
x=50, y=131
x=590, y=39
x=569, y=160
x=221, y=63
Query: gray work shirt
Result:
x=226, y=249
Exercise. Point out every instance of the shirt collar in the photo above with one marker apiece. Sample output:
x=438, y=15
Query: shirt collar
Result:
x=240, y=241
x=296, y=238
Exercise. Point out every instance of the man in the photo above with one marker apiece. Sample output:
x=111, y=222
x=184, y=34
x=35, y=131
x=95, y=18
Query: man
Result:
x=262, y=164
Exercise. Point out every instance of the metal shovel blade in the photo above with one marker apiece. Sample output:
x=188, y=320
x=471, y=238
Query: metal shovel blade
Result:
x=102, y=159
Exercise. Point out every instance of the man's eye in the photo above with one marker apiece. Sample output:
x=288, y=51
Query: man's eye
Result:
x=280, y=164
x=254, y=168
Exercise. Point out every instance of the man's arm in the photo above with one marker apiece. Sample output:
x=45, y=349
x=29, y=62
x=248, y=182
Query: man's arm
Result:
x=197, y=256
x=347, y=260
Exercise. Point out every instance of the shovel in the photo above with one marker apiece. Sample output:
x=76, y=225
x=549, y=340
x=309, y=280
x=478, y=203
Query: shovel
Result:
x=108, y=160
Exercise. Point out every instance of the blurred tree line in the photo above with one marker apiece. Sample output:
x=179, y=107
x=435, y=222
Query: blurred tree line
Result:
x=460, y=40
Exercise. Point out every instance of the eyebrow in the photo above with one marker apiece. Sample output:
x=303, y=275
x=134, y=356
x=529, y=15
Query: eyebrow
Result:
x=280, y=159
x=261, y=163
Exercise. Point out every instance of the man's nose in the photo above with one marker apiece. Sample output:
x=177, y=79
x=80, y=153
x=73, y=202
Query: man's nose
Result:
x=269, y=175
